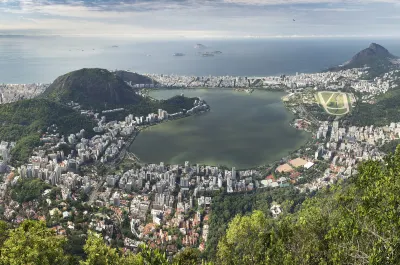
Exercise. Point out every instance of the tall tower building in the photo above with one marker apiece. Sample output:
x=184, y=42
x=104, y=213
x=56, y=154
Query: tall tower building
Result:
x=233, y=173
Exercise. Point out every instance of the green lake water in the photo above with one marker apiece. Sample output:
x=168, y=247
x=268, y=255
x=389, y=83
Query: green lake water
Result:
x=241, y=130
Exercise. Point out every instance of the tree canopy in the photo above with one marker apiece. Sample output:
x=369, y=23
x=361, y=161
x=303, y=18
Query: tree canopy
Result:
x=355, y=222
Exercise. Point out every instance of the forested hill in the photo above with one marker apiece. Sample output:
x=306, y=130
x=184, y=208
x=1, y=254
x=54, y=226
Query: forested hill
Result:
x=23, y=121
x=94, y=88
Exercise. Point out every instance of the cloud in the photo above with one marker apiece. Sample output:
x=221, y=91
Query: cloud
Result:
x=205, y=18
x=299, y=2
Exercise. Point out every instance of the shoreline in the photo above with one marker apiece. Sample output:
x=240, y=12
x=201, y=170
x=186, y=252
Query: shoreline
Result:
x=307, y=141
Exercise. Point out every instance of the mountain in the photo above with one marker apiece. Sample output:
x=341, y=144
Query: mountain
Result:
x=371, y=56
x=92, y=87
x=376, y=57
x=134, y=77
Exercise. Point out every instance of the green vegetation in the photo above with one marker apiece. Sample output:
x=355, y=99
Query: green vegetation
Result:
x=32, y=243
x=28, y=189
x=326, y=96
x=337, y=111
x=382, y=113
x=389, y=147
x=134, y=78
x=355, y=222
x=24, y=121
x=100, y=89
x=226, y=206
x=189, y=256
x=376, y=57
x=92, y=88
x=333, y=103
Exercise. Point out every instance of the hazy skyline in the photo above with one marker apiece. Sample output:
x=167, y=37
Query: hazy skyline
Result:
x=204, y=18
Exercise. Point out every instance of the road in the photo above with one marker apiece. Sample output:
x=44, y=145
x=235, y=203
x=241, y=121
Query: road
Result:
x=111, y=165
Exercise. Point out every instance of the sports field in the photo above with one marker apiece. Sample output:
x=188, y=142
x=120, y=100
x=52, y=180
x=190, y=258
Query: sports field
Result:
x=334, y=103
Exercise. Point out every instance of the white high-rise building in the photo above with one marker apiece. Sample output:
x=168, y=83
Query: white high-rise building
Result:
x=116, y=199
x=233, y=173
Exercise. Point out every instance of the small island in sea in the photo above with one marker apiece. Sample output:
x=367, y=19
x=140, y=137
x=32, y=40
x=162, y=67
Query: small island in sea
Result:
x=200, y=46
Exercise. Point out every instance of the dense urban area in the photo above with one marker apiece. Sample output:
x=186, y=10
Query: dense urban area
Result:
x=80, y=182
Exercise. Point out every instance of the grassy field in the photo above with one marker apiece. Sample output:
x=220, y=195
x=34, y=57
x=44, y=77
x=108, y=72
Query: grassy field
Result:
x=326, y=96
x=334, y=103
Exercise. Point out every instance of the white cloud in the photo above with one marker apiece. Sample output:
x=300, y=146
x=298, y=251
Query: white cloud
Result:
x=222, y=18
x=294, y=2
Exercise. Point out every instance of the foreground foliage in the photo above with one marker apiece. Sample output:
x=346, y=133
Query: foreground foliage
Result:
x=353, y=223
x=32, y=243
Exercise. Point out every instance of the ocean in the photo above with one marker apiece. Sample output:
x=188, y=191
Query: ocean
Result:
x=42, y=59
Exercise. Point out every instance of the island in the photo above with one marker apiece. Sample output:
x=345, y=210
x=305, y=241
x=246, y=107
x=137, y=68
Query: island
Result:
x=200, y=46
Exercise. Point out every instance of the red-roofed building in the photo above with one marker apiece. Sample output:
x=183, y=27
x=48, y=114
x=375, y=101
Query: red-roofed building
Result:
x=294, y=175
x=271, y=177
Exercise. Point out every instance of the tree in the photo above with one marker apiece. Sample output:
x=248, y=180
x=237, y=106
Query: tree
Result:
x=245, y=241
x=149, y=256
x=98, y=253
x=189, y=256
x=33, y=243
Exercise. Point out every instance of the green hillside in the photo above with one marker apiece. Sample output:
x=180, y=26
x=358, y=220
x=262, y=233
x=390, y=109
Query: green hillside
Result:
x=93, y=88
x=134, y=77
x=25, y=120
x=382, y=113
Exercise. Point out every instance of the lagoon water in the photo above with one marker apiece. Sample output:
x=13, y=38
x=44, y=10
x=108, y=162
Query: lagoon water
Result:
x=241, y=130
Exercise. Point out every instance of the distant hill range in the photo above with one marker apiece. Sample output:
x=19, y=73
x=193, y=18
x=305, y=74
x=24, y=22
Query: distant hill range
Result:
x=134, y=78
x=95, y=87
x=375, y=56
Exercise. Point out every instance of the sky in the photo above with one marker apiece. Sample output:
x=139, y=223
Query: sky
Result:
x=202, y=18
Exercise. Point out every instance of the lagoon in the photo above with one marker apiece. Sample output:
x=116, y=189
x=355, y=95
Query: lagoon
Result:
x=241, y=130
